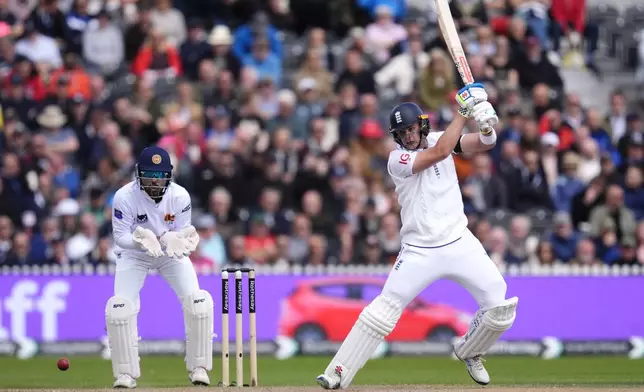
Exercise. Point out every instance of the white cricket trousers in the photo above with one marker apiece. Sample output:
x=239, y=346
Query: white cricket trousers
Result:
x=463, y=261
x=130, y=274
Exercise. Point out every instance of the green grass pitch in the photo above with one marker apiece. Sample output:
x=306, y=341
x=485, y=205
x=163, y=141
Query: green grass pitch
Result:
x=163, y=371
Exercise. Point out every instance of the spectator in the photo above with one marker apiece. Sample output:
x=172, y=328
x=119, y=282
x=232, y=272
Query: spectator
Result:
x=529, y=185
x=404, y=69
x=544, y=255
x=39, y=48
x=20, y=254
x=157, y=57
x=564, y=238
x=568, y=183
x=76, y=22
x=585, y=255
x=312, y=68
x=382, y=35
x=357, y=74
x=485, y=190
x=103, y=45
x=225, y=59
x=266, y=64
x=80, y=245
x=436, y=81
x=169, y=22
x=497, y=245
x=634, y=192
x=194, y=49
x=614, y=211
x=47, y=19
x=299, y=241
x=534, y=67
x=258, y=29
x=520, y=246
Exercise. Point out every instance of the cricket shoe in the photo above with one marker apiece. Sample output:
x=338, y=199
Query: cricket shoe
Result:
x=476, y=370
x=199, y=376
x=328, y=382
x=124, y=381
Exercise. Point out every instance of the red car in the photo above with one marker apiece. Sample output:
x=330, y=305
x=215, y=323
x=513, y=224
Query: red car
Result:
x=325, y=309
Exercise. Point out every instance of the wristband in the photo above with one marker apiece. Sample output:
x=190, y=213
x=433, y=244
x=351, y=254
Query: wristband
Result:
x=489, y=138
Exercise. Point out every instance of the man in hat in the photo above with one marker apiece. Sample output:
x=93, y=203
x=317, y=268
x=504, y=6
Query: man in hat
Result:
x=152, y=228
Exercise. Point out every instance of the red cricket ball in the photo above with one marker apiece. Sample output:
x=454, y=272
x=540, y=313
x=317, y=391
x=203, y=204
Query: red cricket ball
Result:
x=63, y=364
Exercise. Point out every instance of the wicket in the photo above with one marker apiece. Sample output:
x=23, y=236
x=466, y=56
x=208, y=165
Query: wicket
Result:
x=239, y=338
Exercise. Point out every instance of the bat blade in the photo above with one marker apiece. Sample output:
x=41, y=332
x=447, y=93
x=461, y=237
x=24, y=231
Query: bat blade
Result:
x=452, y=40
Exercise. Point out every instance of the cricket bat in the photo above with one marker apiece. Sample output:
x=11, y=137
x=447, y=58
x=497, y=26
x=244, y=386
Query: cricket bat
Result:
x=453, y=42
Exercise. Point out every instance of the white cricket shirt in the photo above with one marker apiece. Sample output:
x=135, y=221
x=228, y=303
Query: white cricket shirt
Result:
x=132, y=207
x=431, y=202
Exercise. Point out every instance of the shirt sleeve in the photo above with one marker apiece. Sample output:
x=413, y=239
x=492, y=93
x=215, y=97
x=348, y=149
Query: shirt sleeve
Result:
x=400, y=163
x=183, y=218
x=122, y=222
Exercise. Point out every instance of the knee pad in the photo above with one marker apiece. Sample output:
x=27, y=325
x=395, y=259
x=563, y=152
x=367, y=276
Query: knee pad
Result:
x=120, y=319
x=486, y=328
x=382, y=315
x=198, y=313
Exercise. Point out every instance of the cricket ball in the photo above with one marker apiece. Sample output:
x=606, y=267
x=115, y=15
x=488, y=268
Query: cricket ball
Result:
x=63, y=364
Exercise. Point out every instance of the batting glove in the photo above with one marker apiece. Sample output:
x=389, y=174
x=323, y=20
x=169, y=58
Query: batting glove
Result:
x=470, y=95
x=175, y=246
x=147, y=241
x=485, y=116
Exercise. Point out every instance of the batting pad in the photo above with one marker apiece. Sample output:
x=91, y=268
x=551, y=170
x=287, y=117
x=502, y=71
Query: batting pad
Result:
x=376, y=321
x=486, y=328
x=198, y=309
x=120, y=318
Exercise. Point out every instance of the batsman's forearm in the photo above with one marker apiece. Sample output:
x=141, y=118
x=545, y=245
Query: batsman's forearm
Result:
x=451, y=135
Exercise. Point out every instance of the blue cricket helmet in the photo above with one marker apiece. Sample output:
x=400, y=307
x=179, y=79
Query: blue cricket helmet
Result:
x=154, y=172
x=404, y=116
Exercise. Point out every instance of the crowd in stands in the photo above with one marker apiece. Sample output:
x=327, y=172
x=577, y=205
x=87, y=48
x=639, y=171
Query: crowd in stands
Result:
x=276, y=116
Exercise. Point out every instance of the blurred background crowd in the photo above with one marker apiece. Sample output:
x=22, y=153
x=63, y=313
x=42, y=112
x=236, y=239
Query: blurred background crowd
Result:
x=275, y=114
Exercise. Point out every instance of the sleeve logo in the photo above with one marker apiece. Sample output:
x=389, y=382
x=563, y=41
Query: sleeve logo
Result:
x=118, y=214
x=187, y=208
x=404, y=158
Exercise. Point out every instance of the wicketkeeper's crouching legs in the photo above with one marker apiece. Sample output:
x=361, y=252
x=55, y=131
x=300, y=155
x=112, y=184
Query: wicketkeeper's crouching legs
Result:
x=120, y=318
x=198, y=309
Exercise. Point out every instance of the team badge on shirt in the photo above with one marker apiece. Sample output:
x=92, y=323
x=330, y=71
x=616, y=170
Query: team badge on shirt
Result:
x=169, y=218
x=142, y=218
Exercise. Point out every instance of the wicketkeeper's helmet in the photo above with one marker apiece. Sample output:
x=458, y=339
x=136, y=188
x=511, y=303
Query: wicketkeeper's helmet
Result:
x=154, y=171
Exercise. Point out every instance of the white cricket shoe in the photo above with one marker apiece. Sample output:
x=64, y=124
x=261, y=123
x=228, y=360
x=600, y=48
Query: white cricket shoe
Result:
x=328, y=382
x=124, y=381
x=199, y=376
x=476, y=370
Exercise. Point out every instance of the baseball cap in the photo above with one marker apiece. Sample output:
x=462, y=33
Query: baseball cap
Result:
x=154, y=158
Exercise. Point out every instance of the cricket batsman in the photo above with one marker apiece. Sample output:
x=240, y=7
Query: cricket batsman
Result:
x=151, y=219
x=436, y=242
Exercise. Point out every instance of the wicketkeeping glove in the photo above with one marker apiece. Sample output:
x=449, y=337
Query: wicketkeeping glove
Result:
x=190, y=235
x=147, y=241
x=175, y=246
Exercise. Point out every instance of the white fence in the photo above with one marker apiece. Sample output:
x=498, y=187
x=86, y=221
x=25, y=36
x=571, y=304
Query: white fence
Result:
x=512, y=270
